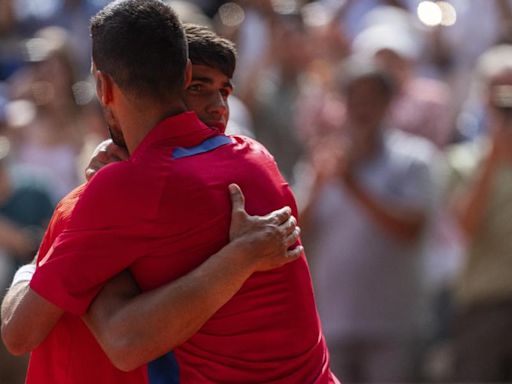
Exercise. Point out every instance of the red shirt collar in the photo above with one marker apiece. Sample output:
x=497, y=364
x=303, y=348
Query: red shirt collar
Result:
x=182, y=130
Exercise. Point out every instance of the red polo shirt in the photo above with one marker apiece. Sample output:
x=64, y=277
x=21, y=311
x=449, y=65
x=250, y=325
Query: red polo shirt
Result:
x=162, y=213
x=70, y=353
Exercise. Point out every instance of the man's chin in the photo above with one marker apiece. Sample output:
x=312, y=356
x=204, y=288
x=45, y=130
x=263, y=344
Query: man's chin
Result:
x=218, y=125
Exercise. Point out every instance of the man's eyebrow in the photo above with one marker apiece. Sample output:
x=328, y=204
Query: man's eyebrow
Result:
x=202, y=79
x=208, y=80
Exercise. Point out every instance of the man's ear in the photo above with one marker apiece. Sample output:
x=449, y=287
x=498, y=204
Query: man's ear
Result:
x=104, y=88
x=188, y=74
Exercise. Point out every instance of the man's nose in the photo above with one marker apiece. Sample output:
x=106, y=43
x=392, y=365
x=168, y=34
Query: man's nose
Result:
x=219, y=105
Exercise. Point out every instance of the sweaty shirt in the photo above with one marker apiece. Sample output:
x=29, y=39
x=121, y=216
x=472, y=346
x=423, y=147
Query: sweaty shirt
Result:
x=162, y=213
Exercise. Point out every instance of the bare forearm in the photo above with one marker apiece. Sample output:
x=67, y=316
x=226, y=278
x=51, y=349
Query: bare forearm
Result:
x=134, y=330
x=26, y=319
x=144, y=327
x=10, y=334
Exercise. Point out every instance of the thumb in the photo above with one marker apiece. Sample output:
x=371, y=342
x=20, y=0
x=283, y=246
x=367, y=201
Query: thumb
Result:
x=237, y=198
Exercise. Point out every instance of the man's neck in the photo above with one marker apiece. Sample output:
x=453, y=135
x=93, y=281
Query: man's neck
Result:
x=138, y=120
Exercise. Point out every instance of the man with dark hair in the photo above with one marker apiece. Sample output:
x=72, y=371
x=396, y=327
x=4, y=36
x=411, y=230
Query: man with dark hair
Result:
x=213, y=61
x=259, y=245
x=147, y=62
x=213, y=65
x=207, y=48
x=178, y=205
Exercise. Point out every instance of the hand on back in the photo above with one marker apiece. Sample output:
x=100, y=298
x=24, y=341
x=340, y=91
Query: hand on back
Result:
x=266, y=239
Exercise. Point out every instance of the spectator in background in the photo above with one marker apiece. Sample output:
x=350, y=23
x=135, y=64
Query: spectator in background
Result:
x=71, y=15
x=455, y=49
x=253, y=35
x=273, y=91
x=481, y=177
x=25, y=208
x=422, y=106
x=319, y=108
x=45, y=126
x=355, y=12
x=365, y=214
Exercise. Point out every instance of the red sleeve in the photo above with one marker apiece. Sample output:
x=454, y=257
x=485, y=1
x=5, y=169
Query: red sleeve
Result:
x=59, y=221
x=106, y=233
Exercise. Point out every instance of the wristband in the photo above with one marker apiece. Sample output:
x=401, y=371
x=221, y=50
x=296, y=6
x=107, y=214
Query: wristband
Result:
x=24, y=273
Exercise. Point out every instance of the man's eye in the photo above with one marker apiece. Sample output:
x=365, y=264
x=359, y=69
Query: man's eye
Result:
x=195, y=88
x=225, y=92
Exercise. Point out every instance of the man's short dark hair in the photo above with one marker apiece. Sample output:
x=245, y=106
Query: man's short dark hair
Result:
x=141, y=45
x=205, y=47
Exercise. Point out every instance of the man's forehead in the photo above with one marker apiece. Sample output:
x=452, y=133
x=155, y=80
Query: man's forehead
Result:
x=209, y=74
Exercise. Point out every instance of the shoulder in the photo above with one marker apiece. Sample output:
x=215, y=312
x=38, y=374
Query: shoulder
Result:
x=118, y=179
x=252, y=145
x=60, y=219
x=113, y=175
x=66, y=205
x=107, y=195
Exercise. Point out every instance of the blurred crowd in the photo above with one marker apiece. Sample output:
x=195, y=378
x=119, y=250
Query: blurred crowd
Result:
x=392, y=121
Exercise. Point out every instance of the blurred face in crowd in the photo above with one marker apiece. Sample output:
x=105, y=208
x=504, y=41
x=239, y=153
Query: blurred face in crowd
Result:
x=207, y=95
x=329, y=43
x=394, y=64
x=291, y=48
x=367, y=105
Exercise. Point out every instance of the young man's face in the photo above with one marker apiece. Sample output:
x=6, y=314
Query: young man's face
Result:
x=207, y=95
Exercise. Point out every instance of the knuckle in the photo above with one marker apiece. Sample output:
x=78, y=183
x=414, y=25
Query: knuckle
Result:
x=274, y=219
